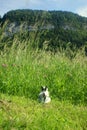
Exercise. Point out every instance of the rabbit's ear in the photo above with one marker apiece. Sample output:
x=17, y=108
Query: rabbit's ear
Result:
x=46, y=88
x=42, y=88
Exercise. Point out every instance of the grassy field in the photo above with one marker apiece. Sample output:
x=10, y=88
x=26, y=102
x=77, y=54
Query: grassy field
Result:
x=20, y=113
x=22, y=73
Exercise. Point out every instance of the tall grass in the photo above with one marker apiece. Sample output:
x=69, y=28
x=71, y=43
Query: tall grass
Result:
x=23, y=70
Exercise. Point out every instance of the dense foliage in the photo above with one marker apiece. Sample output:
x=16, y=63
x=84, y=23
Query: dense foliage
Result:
x=45, y=29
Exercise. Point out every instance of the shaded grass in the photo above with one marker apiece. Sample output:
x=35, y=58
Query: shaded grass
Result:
x=23, y=113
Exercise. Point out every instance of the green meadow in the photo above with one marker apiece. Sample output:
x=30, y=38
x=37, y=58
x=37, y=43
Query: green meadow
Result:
x=24, y=70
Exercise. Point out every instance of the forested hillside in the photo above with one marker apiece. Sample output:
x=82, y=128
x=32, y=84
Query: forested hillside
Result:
x=44, y=29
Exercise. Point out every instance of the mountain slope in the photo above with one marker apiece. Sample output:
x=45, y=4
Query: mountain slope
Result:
x=51, y=29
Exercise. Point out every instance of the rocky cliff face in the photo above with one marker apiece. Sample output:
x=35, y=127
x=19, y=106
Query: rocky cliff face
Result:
x=14, y=27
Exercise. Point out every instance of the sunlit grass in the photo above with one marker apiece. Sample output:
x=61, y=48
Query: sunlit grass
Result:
x=24, y=113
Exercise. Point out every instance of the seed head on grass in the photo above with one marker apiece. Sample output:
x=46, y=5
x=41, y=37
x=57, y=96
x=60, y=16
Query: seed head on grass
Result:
x=4, y=65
